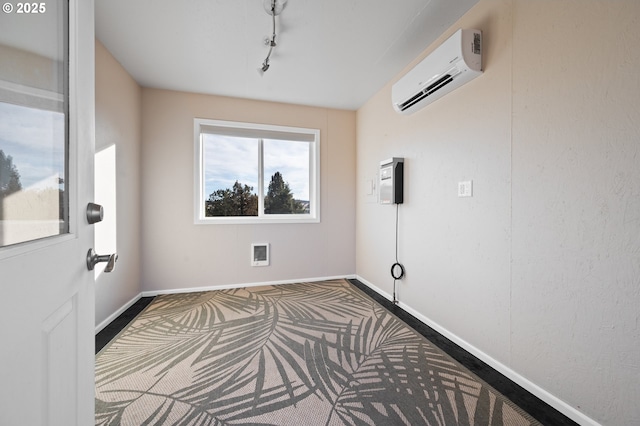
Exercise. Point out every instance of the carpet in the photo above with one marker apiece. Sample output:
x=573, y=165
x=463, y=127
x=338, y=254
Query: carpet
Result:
x=320, y=353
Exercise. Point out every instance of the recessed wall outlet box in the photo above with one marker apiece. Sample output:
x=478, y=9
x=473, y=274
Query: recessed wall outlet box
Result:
x=465, y=188
x=259, y=254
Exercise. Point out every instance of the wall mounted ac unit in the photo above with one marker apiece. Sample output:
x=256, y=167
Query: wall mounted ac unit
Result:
x=452, y=64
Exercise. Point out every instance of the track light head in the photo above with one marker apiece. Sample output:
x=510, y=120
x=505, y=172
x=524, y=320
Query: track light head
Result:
x=264, y=67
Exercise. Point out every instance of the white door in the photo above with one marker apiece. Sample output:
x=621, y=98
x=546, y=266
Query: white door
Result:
x=46, y=181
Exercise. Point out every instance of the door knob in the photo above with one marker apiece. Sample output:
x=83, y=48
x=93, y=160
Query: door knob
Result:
x=93, y=259
x=95, y=213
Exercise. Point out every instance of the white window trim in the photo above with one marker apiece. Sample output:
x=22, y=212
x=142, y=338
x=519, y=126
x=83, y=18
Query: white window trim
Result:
x=314, y=176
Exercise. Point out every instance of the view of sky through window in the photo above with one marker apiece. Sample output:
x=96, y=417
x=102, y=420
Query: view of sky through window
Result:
x=291, y=159
x=34, y=138
x=33, y=201
x=228, y=159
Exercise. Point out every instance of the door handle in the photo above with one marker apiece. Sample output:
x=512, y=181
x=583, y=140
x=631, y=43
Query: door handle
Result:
x=93, y=259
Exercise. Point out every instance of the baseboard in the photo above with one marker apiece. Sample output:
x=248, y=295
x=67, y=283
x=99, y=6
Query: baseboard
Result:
x=117, y=313
x=531, y=387
x=152, y=293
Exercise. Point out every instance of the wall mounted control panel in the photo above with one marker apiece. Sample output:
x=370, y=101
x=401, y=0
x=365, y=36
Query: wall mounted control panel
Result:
x=391, y=185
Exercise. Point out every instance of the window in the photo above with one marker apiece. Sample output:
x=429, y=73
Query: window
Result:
x=34, y=128
x=255, y=173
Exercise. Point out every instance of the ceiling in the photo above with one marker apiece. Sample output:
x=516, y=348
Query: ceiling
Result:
x=329, y=53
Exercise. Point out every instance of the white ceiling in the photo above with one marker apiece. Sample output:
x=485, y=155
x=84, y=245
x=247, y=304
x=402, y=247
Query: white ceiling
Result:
x=330, y=53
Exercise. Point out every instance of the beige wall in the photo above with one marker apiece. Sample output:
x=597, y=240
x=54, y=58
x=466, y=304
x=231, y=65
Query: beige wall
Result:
x=176, y=254
x=118, y=123
x=539, y=272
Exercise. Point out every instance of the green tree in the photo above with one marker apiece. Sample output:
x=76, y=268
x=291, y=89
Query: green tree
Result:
x=279, y=199
x=237, y=201
x=9, y=175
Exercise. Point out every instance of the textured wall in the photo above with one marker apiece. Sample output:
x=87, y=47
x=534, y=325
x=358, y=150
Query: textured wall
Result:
x=539, y=271
x=178, y=254
x=576, y=203
x=119, y=129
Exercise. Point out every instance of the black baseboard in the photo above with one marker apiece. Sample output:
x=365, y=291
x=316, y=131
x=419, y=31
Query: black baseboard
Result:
x=533, y=405
x=112, y=330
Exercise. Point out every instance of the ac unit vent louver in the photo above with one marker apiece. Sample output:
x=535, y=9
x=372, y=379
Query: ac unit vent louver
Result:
x=426, y=92
x=455, y=62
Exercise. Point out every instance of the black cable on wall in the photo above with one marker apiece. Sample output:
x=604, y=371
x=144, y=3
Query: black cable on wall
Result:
x=397, y=270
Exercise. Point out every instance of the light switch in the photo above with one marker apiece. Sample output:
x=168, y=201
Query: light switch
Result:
x=369, y=187
x=465, y=188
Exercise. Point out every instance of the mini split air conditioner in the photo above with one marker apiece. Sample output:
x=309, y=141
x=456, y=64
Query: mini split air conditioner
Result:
x=452, y=64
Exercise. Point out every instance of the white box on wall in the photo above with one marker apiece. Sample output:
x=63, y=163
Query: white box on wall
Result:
x=260, y=254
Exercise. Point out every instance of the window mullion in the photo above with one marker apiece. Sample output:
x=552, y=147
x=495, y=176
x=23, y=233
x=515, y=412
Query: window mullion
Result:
x=260, y=178
x=201, y=196
x=312, y=180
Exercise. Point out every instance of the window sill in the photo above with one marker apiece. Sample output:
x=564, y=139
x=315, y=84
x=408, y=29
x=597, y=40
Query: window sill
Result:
x=255, y=220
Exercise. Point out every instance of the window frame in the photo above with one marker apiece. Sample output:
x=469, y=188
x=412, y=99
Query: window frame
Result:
x=268, y=131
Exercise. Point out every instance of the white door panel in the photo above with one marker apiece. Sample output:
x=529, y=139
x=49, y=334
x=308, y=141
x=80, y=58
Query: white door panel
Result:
x=47, y=299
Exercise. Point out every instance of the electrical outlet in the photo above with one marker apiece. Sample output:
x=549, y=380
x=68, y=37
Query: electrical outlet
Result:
x=465, y=188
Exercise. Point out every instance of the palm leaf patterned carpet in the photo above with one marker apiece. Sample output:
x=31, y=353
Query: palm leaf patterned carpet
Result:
x=320, y=353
